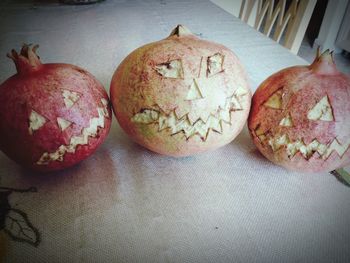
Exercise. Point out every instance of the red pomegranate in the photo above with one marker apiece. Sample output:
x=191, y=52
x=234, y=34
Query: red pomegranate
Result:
x=52, y=115
x=300, y=117
x=181, y=95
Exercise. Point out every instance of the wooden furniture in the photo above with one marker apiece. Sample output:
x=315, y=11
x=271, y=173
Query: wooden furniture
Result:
x=282, y=20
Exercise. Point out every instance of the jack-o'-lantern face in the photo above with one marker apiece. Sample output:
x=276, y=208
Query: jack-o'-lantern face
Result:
x=180, y=90
x=52, y=115
x=302, y=123
x=53, y=126
x=204, y=97
x=66, y=126
x=322, y=111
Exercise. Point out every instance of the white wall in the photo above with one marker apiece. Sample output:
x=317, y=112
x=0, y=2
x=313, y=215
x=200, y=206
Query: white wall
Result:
x=331, y=24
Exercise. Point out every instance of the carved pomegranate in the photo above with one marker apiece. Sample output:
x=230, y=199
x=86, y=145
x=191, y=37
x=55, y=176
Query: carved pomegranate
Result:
x=52, y=115
x=300, y=117
x=181, y=95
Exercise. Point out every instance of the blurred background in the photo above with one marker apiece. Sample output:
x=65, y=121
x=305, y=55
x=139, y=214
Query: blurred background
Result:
x=323, y=23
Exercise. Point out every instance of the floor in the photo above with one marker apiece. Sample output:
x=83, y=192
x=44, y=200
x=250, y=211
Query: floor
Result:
x=342, y=60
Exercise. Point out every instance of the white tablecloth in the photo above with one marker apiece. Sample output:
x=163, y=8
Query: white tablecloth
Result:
x=126, y=204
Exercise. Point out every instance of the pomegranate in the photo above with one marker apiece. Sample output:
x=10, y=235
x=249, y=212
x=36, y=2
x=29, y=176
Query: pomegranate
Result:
x=181, y=95
x=300, y=117
x=52, y=115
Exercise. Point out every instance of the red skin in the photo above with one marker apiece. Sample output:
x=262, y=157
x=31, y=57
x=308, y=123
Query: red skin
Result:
x=39, y=87
x=303, y=86
x=136, y=85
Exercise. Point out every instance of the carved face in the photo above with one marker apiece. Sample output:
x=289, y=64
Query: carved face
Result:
x=302, y=123
x=55, y=124
x=181, y=95
x=87, y=130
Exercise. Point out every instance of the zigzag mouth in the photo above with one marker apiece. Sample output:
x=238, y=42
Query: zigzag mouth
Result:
x=183, y=124
x=307, y=150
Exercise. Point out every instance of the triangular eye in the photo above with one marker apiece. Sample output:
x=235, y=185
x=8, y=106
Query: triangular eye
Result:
x=286, y=121
x=36, y=121
x=194, y=92
x=321, y=111
x=70, y=97
x=275, y=101
x=172, y=69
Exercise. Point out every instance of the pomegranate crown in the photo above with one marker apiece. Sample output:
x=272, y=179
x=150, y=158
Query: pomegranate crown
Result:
x=27, y=60
x=180, y=30
x=324, y=63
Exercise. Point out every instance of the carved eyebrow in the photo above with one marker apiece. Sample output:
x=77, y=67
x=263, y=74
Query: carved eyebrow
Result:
x=172, y=69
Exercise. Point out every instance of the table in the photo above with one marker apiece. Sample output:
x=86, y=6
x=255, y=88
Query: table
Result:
x=126, y=204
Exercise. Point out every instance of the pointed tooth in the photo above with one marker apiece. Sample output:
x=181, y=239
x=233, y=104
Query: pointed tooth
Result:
x=235, y=104
x=214, y=124
x=337, y=147
x=225, y=116
x=240, y=92
x=163, y=122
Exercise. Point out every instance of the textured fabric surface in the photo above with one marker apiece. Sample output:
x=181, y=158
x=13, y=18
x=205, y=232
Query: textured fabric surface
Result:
x=126, y=204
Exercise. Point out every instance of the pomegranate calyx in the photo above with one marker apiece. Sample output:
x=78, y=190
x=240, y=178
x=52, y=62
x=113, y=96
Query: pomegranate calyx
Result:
x=27, y=60
x=324, y=63
x=180, y=31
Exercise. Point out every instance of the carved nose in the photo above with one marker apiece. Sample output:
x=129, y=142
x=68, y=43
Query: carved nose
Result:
x=194, y=93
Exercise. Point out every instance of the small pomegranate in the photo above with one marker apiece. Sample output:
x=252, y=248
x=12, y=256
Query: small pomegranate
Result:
x=300, y=117
x=181, y=95
x=52, y=115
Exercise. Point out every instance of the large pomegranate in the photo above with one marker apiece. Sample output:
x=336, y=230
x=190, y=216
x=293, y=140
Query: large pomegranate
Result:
x=181, y=95
x=52, y=116
x=300, y=117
